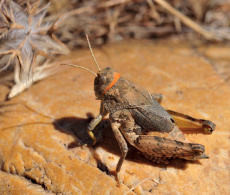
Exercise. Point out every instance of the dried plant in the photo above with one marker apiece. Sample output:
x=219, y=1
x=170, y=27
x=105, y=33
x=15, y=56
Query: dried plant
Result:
x=24, y=35
x=114, y=20
x=26, y=43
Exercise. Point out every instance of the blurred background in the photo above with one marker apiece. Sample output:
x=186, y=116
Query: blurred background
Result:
x=114, y=20
x=33, y=32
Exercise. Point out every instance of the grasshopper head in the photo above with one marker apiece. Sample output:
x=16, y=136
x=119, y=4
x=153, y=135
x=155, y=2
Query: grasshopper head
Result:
x=105, y=79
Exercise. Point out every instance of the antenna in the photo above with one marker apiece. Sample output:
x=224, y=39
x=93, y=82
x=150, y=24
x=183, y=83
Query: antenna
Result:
x=92, y=56
x=92, y=52
x=81, y=67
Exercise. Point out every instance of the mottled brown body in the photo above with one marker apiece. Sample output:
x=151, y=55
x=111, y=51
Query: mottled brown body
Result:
x=137, y=117
x=142, y=106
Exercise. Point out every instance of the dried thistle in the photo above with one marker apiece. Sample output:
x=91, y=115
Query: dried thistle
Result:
x=26, y=43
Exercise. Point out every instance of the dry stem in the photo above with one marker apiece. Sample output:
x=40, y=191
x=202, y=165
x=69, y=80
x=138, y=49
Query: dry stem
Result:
x=93, y=7
x=131, y=189
x=187, y=21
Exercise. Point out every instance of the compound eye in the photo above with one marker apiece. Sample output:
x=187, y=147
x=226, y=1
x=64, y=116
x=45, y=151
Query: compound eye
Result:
x=102, y=79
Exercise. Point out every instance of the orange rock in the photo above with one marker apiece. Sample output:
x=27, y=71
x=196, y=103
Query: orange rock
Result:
x=43, y=131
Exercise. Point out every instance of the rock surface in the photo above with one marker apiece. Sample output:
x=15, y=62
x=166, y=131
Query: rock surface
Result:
x=44, y=147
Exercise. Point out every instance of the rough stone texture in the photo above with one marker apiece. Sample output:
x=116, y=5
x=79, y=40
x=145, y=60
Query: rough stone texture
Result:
x=44, y=147
x=14, y=184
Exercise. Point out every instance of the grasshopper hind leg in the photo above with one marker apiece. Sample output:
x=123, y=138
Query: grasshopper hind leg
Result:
x=188, y=123
x=161, y=148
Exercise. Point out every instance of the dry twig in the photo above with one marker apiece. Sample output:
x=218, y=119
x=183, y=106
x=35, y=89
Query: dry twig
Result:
x=131, y=189
x=187, y=21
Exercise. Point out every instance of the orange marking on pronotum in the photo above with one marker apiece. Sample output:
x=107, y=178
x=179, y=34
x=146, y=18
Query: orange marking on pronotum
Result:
x=116, y=77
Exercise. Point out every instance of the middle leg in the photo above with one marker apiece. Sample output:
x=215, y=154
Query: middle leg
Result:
x=123, y=147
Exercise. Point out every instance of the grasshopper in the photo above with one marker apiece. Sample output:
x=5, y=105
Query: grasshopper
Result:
x=135, y=114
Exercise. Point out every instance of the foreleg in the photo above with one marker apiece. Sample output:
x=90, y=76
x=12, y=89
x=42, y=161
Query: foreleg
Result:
x=95, y=122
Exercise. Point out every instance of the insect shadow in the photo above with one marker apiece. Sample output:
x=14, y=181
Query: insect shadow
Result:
x=77, y=127
x=106, y=140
